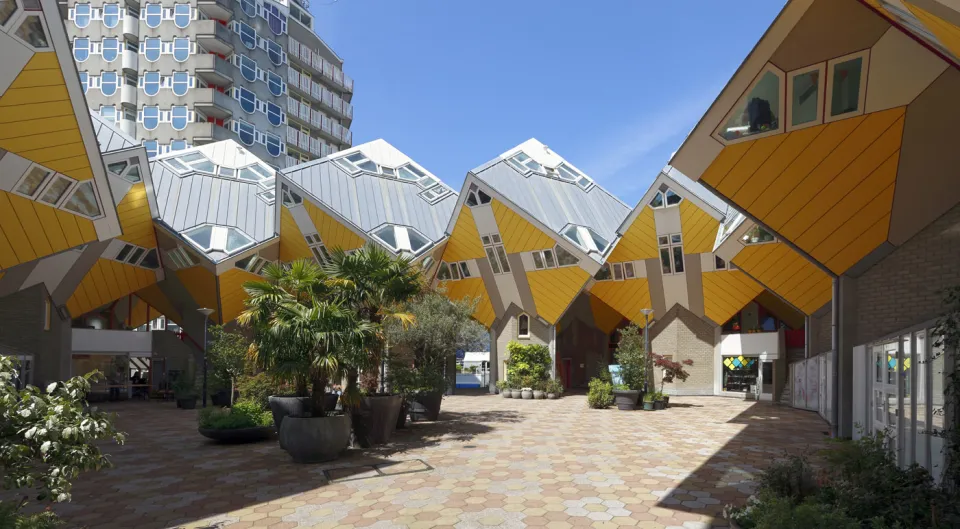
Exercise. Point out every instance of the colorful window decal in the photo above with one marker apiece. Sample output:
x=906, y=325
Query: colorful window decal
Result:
x=739, y=362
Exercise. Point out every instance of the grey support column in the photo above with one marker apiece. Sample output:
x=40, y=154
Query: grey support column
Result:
x=847, y=321
x=553, y=351
x=494, y=360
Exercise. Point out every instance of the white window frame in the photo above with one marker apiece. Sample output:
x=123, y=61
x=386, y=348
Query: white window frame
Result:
x=181, y=258
x=255, y=266
x=523, y=167
x=821, y=92
x=520, y=335
x=68, y=191
x=541, y=255
x=861, y=96
x=583, y=232
x=43, y=183
x=317, y=248
x=716, y=263
x=496, y=254
x=457, y=269
x=669, y=246
x=769, y=67
x=758, y=243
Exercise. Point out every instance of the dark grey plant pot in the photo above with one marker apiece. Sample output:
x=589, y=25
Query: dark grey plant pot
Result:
x=537, y=394
x=239, y=435
x=649, y=405
x=281, y=407
x=315, y=439
x=626, y=399
x=426, y=406
x=187, y=403
x=666, y=401
x=659, y=405
x=380, y=414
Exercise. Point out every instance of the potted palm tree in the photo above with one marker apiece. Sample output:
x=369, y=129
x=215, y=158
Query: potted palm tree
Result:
x=303, y=332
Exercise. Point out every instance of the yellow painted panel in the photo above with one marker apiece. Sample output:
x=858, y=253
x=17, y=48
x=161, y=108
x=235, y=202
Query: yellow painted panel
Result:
x=518, y=234
x=292, y=244
x=40, y=111
x=833, y=165
x=699, y=229
x=726, y=292
x=8, y=258
x=23, y=145
x=202, y=285
x=83, y=173
x=794, y=144
x=155, y=297
x=135, y=219
x=471, y=289
x=106, y=282
x=882, y=150
x=464, y=242
x=14, y=231
x=787, y=273
x=42, y=61
x=68, y=224
x=760, y=150
x=948, y=34
x=868, y=240
x=232, y=295
x=67, y=165
x=724, y=162
x=51, y=227
x=23, y=208
x=605, y=317
x=639, y=242
x=87, y=230
x=139, y=313
x=860, y=233
x=554, y=289
x=778, y=186
x=626, y=297
x=332, y=232
x=45, y=154
x=14, y=97
x=850, y=205
x=783, y=311
x=36, y=78
x=39, y=126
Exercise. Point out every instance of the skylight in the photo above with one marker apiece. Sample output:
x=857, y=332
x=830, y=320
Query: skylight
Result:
x=587, y=239
x=211, y=238
x=525, y=164
x=665, y=197
x=401, y=238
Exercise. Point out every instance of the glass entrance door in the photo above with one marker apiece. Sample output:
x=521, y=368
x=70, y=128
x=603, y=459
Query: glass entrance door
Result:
x=886, y=358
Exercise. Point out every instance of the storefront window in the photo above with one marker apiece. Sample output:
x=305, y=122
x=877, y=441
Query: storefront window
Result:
x=740, y=373
x=114, y=384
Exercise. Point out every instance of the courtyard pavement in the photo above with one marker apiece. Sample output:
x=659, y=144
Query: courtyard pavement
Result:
x=489, y=462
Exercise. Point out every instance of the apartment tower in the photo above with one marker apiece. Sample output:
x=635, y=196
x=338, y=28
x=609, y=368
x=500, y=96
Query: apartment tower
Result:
x=179, y=74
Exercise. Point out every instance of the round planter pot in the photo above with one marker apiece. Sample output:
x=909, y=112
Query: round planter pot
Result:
x=537, y=394
x=189, y=403
x=648, y=406
x=315, y=439
x=515, y=394
x=551, y=396
x=426, y=406
x=526, y=394
x=380, y=415
x=659, y=405
x=666, y=401
x=626, y=399
x=506, y=393
x=239, y=435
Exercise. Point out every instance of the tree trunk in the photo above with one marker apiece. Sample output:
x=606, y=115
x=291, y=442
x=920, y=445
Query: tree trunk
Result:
x=317, y=395
x=231, y=392
x=301, y=386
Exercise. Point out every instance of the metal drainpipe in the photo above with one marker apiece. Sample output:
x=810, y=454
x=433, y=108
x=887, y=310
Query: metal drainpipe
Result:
x=835, y=343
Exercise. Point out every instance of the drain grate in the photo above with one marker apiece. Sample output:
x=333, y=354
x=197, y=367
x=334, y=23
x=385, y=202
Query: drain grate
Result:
x=392, y=468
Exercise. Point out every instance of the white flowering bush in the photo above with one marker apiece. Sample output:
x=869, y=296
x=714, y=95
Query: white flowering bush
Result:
x=48, y=437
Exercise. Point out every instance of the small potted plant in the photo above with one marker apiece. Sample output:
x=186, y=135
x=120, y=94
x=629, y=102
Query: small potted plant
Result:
x=526, y=388
x=554, y=389
x=624, y=397
x=184, y=391
x=538, y=390
x=504, y=389
x=658, y=402
x=671, y=370
x=648, y=402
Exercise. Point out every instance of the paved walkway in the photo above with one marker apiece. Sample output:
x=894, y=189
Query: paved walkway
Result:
x=489, y=462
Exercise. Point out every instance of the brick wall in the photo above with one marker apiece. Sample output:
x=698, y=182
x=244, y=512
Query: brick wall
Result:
x=539, y=334
x=904, y=288
x=684, y=336
x=21, y=331
x=821, y=329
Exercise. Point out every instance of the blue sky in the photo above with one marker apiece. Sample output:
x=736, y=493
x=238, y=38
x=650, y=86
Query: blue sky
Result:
x=613, y=86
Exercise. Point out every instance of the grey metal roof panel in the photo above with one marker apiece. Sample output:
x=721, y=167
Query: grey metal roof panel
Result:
x=186, y=201
x=367, y=201
x=697, y=189
x=109, y=137
x=556, y=203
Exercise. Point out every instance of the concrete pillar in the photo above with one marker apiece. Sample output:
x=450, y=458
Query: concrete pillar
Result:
x=494, y=361
x=847, y=321
x=553, y=351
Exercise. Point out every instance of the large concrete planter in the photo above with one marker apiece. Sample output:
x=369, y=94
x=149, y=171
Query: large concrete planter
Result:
x=315, y=439
x=426, y=406
x=380, y=417
x=282, y=407
x=515, y=394
x=626, y=399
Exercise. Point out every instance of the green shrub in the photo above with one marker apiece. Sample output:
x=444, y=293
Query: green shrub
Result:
x=632, y=357
x=774, y=512
x=554, y=386
x=528, y=364
x=11, y=519
x=600, y=394
x=244, y=414
x=259, y=388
